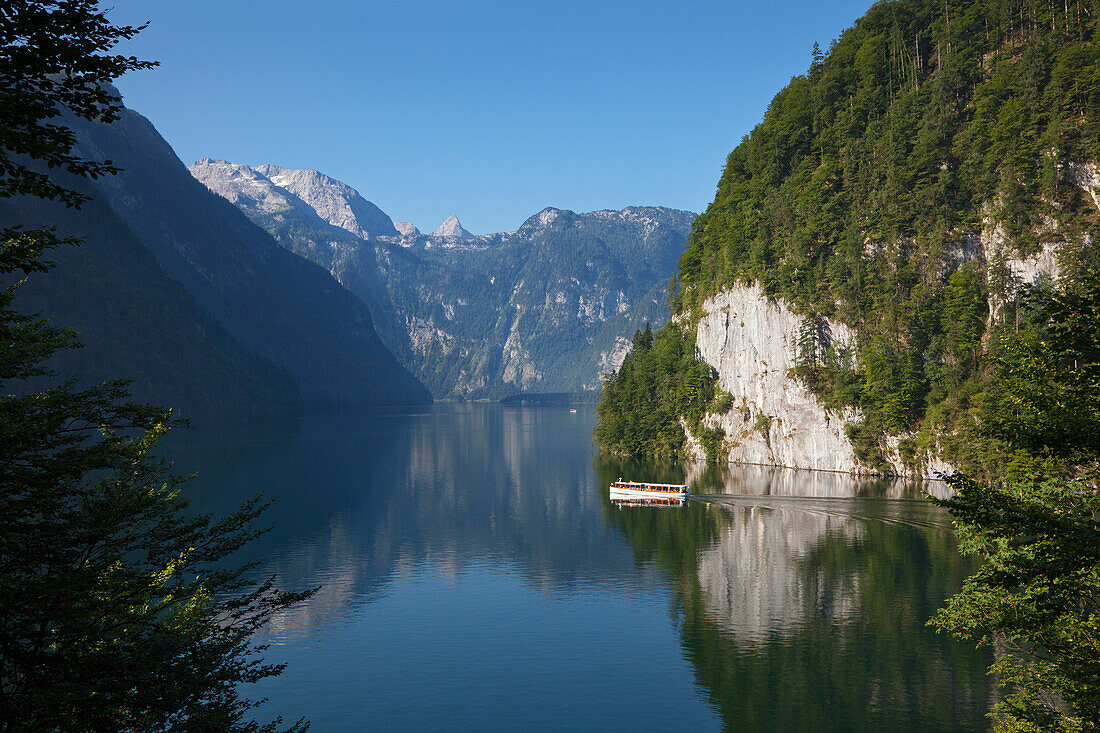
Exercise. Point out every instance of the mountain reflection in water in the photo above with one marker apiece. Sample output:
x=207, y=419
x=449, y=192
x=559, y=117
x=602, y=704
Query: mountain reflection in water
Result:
x=475, y=574
x=804, y=597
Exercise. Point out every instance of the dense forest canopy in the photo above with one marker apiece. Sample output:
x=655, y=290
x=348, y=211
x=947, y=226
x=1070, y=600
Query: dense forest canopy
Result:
x=923, y=119
x=891, y=187
x=659, y=382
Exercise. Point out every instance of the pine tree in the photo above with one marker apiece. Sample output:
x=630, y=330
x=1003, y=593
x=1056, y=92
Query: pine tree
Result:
x=117, y=609
x=1037, y=595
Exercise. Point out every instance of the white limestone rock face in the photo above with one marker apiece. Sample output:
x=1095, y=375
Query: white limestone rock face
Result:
x=334, y=201
x=242, y=185
x=1087, y=176
x=451, y=228
x=425, y=337
x=1043, y=264
x=752, y=343
x=406, y=229
x=612, y=359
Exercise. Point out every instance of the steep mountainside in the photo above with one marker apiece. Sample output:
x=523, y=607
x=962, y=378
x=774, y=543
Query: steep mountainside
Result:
x=546, y=308
x=870, y=241
x=274, y=304
x=137, y=322
x=337, y=203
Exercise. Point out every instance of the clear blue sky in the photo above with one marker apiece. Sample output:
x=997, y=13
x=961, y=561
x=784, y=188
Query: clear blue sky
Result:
x=490, y=110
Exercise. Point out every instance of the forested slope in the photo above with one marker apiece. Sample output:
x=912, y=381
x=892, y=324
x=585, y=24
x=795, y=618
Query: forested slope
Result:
x=939, y=159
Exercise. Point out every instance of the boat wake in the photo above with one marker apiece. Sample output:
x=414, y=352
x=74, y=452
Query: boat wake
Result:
x=915, y=512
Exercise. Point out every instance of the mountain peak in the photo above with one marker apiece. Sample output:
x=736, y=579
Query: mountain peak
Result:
x=451, y=228
x=537, y=222
x=334, y=201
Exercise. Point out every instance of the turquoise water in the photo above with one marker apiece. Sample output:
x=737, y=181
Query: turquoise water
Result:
x=474, y=576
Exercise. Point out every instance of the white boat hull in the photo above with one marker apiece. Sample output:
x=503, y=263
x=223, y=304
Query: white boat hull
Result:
x=618, y=491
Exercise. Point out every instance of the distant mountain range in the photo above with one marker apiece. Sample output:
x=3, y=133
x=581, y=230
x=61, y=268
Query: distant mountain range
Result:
x=181, y=290
x=175, y=287
x=545, y=308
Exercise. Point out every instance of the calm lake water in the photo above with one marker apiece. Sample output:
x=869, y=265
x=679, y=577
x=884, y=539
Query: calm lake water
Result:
x=475, y=577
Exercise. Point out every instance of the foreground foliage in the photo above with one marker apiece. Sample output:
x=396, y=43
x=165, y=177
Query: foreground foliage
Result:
x=117, y=611
x=1036, y=599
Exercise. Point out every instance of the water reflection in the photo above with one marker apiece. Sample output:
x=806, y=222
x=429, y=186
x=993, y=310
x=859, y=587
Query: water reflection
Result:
x=621, y=501
x=754, y=580
x=470, y=578
x=751, y=480
x=804, y=597
x=367, y=499
x=474, y=551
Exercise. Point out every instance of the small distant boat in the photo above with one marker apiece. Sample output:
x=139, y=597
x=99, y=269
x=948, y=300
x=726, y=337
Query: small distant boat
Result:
x=649, y=492
x=574, y=409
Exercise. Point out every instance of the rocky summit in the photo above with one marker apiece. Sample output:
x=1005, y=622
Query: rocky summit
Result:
x=277, y=190
x=451, y=228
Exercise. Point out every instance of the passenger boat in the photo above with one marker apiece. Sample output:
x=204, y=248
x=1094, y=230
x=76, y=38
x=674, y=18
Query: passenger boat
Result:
x=645, y=491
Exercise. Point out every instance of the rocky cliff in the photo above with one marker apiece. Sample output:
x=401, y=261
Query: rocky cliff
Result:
x=751, y=340
x=872, y=245
x=776, y=420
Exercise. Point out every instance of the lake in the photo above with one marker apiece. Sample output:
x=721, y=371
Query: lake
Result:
x=475, y=576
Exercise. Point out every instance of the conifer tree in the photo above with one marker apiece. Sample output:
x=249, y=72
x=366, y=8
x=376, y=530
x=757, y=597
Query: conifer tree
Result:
x=117, y=609
x=1037, y=595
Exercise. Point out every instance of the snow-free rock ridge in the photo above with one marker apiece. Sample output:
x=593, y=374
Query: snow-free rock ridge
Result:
x=451, y=228
x=480, y=316
x=273, y=189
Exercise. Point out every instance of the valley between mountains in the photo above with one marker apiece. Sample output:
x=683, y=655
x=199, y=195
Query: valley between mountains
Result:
x=543, y=309
x=234, y=291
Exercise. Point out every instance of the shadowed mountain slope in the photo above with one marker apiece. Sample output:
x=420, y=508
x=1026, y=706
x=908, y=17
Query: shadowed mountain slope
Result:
x=153, y=222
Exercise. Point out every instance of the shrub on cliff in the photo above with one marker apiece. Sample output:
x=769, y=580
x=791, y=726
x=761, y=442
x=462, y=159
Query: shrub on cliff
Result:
x=661, y=380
